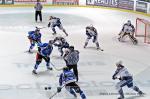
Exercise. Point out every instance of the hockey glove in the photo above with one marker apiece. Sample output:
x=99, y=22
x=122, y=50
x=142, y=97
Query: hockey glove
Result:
x=113, y=77
x=49, y=24
x=120, y=78
x=58, y=89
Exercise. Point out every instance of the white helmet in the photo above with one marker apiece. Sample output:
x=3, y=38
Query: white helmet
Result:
x=91, y=25
x=119, y=63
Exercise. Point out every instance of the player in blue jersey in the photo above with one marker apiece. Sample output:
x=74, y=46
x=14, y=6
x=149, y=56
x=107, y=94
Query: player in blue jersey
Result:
x=34, y=37
x=44, y=52
x=125, y=78
x=55, y=22
x=68, y=79
x=61, y=43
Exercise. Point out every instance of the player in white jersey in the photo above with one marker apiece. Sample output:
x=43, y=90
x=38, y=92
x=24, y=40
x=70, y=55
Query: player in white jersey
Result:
x=128, y=30
x=91, y=33
x=125, y=78
x=55, y=22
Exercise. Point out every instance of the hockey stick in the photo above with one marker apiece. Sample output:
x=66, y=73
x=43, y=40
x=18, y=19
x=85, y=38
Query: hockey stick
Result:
x=55, y=67
x=53, y=95
x=56, y=92
x=101, y=49
x=40, y=28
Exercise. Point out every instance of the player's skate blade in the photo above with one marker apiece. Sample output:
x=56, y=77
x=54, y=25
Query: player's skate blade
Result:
x=49, y=68
x=34, y=72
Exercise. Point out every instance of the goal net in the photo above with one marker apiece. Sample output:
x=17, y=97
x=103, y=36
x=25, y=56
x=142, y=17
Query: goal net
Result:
x=143, y=29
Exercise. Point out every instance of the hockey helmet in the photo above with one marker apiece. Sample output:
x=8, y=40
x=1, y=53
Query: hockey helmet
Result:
x=91, y=25
x=50, y=17
x=37, y=30
x=129, y=22
x=51, y=41
x=63, y=40
x=65, y=68
x=118, y=63
x=71, y=48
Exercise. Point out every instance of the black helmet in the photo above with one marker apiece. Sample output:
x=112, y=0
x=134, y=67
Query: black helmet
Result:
x=51, y=41
x=63, y=40
x=65, y=69
x=71, y=48
x=37, y=29
x=50, y=17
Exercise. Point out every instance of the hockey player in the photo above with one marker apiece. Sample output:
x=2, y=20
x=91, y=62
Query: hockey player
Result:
x=91, y=33
x=128, y=30
x=125, y=78
x=61, y=43
x=71, y=57
x=34, y=37
x=44, y=52
x=55, y=22
x=67, y=79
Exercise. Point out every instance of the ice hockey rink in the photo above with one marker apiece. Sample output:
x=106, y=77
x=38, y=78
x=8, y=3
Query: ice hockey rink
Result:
x=95, y=67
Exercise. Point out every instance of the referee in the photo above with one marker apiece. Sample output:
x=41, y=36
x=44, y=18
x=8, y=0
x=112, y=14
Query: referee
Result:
x=38, y=11
x=71, y=58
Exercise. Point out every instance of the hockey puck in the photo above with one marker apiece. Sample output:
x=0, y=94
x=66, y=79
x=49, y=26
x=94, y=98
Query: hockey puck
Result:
x=47, y=88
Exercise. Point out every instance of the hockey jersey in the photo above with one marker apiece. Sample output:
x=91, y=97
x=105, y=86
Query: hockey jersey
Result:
x=61, y=42
x=122, y=73
x=32, y=35
x=66, y=77
x=54, y=21
x=128, y=28
x=44, y=49
x=91, y=31
x=72, y=58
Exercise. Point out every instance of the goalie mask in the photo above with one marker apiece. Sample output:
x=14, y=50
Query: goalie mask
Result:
x=129, y=22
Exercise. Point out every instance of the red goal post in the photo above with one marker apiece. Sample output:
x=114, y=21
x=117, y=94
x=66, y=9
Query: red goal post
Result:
x=143, y=29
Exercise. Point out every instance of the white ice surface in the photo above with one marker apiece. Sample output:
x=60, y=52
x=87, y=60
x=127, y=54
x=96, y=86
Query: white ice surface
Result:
x=95, y=67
